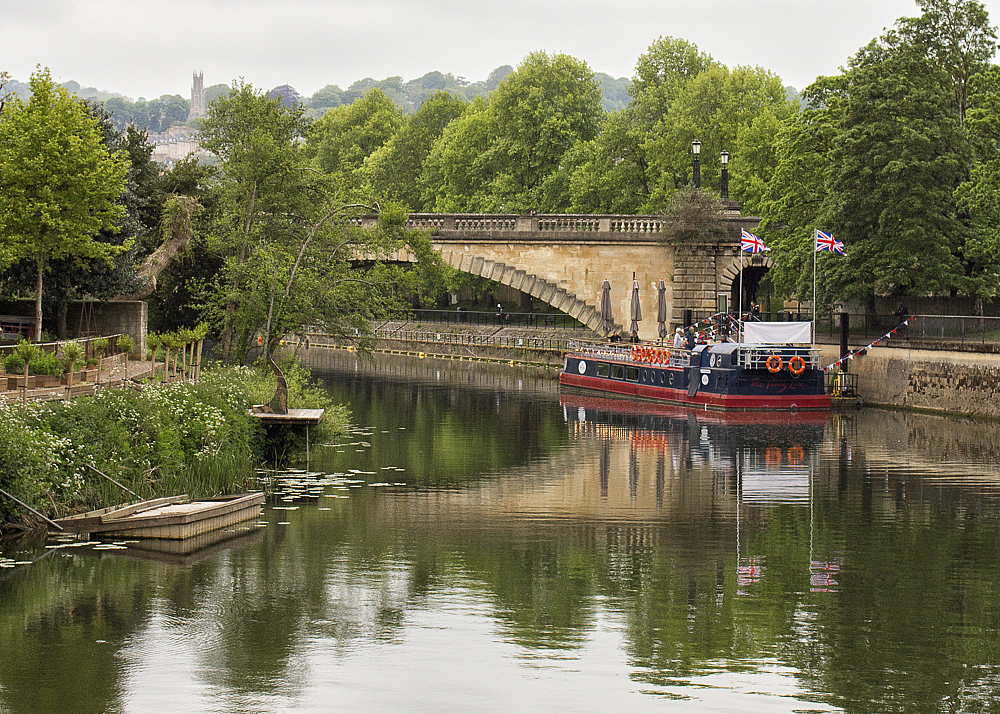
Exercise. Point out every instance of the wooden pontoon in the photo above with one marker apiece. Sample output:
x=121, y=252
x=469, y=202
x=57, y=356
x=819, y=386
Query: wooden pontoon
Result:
x=174, y=517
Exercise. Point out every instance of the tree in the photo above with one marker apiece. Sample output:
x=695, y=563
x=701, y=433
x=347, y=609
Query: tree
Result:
x=501, y=154
x=694, y=216
x=286, y=232
x=956, y=36
x=345, y=136
x=394, y=168
x=60, y=183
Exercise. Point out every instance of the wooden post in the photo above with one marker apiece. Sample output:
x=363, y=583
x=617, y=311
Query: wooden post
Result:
x=197, y=375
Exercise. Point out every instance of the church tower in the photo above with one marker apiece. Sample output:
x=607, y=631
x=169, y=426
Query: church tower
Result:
x=197, y=96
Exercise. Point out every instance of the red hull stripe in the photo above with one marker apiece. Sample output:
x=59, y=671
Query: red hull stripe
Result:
x=706, y=399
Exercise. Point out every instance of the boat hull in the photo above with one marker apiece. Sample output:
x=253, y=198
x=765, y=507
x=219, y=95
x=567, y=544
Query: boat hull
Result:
x=727, y=377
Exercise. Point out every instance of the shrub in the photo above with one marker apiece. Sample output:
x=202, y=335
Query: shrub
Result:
x=45, y=363
x=13, y=364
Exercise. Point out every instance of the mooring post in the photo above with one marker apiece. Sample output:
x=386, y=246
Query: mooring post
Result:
x=845, y=329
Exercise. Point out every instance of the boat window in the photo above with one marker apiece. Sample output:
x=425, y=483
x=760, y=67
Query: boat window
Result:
x=602, y=369
x=632, y=374
x=617, y=371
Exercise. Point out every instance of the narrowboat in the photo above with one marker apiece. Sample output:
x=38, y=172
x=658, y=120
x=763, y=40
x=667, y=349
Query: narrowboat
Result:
x=725, y=375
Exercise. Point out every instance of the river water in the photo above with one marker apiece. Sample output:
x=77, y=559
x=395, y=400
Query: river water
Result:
x=483, y=543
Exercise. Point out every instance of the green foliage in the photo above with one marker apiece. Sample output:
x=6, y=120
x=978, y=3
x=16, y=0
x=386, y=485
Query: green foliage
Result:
x=287, y=233
x=394, y=169
x=72, y=352
x=194, y=438
x=894, y=157
x=694, y=216
x=13, y=364
x=61, y=185
x=345, y=136
x=505, y=155
x=126, y=344
x=45, y=363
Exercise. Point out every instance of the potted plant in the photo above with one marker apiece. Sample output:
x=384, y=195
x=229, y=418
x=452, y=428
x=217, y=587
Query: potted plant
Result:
x=46, y=368
x=71, y=354
x=100, y=345
x=27, y=352
x=127, y=345
x=13, y=365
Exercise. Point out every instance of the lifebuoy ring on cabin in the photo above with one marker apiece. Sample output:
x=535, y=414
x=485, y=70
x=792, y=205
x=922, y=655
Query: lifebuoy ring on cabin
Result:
x=774, y=364
x=635, y=353
x=795, y=455
x=796, y=365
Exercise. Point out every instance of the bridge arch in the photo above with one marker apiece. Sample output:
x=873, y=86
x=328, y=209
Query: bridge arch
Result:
x=538, y=287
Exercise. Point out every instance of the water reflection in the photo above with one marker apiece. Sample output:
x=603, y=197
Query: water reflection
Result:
x=551, y=551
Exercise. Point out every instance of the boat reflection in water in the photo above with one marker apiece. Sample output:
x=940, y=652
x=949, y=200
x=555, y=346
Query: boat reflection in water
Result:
x=756, y=461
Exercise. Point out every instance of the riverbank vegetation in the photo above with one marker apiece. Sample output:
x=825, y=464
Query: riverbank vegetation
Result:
x=195, y=438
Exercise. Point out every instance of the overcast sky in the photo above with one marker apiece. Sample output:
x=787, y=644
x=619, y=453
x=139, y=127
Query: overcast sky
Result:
x=145, y=48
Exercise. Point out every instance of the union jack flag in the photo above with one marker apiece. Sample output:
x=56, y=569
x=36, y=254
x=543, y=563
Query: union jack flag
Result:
x=826, y=242
x=749, y=243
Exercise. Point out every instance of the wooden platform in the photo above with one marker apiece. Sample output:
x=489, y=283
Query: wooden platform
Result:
x=174, y=517
x=308, y=417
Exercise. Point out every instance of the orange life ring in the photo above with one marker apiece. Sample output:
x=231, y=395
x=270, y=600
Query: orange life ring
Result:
x=772, y=456
x=635, y=353
x=801, y=365
x=796, y=455
x=774, y=364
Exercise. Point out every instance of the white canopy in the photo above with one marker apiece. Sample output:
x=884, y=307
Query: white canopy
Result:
x=777, y=333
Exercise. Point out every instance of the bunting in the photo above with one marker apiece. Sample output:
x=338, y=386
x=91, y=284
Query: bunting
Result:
x=856, y=352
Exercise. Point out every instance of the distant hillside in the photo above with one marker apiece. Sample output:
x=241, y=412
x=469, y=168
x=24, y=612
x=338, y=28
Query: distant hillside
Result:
x=158, y=115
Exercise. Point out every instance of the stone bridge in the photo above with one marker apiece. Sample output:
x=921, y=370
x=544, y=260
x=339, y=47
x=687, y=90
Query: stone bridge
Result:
x=563, y=260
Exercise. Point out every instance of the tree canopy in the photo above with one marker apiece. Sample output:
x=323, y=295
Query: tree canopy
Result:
x=60, y=182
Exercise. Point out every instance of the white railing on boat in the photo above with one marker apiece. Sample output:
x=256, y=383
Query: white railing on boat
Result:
x=756, y=357
x=639, y=354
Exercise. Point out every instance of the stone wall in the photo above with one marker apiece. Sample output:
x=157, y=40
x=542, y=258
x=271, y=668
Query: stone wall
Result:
x=956, y=382
x=86, y=318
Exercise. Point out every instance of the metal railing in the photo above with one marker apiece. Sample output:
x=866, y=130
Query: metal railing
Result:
x=474, y=340
x=539, y=320
x=954, y=329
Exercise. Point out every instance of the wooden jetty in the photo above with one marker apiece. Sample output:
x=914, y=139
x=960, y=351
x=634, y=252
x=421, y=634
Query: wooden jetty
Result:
x=173, y=517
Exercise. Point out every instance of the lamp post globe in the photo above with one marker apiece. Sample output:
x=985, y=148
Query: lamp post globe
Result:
x=724, y=183
x=696, y=166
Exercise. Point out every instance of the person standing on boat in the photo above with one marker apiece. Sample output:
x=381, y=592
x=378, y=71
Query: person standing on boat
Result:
x=689, y=338
x=679, y=338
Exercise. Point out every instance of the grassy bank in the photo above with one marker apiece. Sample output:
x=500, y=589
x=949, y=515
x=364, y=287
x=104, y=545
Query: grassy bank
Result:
x=180, y=438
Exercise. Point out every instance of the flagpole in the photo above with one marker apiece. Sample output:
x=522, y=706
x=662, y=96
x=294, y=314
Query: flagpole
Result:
x=813, y=333
x=739, y=301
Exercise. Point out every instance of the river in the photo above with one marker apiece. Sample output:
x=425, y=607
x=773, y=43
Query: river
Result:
x=482, y=542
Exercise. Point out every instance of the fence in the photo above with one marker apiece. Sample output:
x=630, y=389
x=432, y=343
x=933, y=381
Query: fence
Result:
x=476, y=340
x=559, y=321
x=951, y=329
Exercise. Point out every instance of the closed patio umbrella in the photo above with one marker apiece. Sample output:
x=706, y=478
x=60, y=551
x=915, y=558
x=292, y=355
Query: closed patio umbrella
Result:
x=661, y=308
x=636, y=312
x=607, y=316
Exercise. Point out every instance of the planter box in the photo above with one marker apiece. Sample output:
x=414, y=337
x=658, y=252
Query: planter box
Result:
x=20, y=382
x=47, y=382
x=88, y=375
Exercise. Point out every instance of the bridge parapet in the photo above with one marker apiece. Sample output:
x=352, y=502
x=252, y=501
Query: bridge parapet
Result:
x=563, y=260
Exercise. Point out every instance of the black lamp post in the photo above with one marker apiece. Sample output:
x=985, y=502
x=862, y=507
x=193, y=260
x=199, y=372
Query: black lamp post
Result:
x=724, y=185
x=696, y=172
